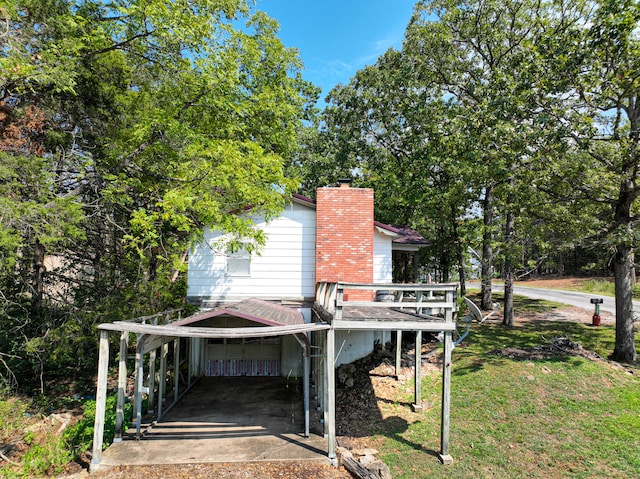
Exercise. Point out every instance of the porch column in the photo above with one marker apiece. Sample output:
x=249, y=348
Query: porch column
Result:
x=162, y=384
x=152, y=381
x=398, y=353
x=139, y=388
x=189, y=357
x=305, y=386
x=101, y=398
x=417, y=387
x=331, y=393
x=445, y=458
x=176, y=369
x=122, y=385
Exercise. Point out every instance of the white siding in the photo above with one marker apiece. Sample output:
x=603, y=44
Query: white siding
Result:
x=283, y=269
x=382, y=258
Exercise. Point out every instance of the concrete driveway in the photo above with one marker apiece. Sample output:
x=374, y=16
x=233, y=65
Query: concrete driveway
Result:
x=242, y=419
x=570, y=298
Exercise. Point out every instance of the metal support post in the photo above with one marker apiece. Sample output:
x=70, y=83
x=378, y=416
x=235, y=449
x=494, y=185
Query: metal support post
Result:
x=122, y=385
x=444, y=456
x=101, y=399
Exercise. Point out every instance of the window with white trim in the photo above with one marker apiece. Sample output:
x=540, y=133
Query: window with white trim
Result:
x=238, y=262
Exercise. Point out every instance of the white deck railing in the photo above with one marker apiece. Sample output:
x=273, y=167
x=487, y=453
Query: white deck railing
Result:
x=433, y=299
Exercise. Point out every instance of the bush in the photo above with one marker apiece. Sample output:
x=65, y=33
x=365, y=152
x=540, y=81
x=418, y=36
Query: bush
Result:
x=79, y=438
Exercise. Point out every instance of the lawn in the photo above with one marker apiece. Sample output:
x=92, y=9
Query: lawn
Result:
x=554, y=417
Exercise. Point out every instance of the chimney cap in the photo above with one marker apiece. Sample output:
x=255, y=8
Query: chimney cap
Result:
x=344, y=182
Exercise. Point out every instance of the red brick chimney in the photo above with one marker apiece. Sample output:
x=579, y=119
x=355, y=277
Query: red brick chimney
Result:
x=344, y=236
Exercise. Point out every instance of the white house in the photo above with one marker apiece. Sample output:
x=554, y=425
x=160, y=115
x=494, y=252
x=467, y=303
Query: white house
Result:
x=301, y=307
x=334, y=238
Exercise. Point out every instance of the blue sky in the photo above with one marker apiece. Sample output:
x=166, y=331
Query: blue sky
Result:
x=337, y=38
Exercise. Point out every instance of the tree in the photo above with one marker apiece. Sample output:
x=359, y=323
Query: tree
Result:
x=589, y=64
x=126, y=127
x=475, y=51
x=394, y=134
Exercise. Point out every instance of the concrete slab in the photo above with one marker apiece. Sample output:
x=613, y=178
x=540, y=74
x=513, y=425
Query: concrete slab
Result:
x=242, y=419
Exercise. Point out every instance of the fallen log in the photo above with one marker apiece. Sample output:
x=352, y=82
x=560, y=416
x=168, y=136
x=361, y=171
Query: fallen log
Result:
x=357, y=469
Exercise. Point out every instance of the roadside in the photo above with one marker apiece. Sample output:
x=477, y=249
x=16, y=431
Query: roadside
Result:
x=565, y=291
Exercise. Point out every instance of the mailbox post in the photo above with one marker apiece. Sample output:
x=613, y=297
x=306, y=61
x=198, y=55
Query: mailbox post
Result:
x=595, y=320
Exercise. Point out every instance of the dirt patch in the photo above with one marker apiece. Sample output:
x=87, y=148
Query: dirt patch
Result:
x=557, y=347
x=266, y=470
x=562, y=315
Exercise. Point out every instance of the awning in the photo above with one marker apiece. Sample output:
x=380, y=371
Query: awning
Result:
x=271, y=320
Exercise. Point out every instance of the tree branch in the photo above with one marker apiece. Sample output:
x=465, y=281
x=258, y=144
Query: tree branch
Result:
x=121, y=44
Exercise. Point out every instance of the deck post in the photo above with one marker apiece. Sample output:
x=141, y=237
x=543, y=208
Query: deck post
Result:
x=444, y=456
x=101, y=398
x=136, y=383
x=122, y=385
x=188, y=357
x=162, y=384
x=152, y=381
x=139, y=387
x=331, y=393
x=339, y=300
x=398, y=353
x=203, y=358
x=176, y=369
x=417, y=386
x=305, y=385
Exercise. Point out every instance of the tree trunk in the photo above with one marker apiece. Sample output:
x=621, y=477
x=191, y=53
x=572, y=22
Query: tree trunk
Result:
x=510, y=226
x=486, y=272
x=625, y=348
x=459, y=253
x=38, y=277
x=623, y=269
x=153, y=263
x=183, y=258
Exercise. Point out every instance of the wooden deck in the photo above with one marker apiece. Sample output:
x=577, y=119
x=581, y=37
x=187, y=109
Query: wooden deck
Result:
x=390, y=319
x=406, y=307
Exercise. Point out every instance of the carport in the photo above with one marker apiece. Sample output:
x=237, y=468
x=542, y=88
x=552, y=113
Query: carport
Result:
x=178, y=345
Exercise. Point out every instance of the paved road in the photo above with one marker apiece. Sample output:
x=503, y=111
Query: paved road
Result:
x=572, y=298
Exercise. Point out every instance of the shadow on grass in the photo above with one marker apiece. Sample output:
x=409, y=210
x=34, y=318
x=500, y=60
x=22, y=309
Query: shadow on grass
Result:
x=521, y=304
x=393, y=427
x=493, y=344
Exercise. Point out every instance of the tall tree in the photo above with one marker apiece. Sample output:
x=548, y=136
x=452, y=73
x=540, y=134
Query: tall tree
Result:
x=125, y=128
x=589, y=67
x=474, y=52
x=395, y=133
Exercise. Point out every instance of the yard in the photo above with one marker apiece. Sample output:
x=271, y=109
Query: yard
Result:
x=519, y=409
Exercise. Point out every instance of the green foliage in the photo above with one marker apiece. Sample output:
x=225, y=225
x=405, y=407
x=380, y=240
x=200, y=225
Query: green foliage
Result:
x=532, y=101
x=46, y=454
x=125, y=129
x=79, y=437
x=12, y=416
x=45, y=458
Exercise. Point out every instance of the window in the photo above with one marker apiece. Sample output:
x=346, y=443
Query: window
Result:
x=239, y=262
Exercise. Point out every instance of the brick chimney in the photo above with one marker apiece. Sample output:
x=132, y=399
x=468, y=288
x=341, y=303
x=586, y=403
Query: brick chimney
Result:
x=344, y=236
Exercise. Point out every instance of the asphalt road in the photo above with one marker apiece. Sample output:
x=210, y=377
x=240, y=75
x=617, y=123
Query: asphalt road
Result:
x=571, y=298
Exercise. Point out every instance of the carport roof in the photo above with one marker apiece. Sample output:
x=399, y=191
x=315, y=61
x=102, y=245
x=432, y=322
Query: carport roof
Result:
x=252, y=309
x=280, y=320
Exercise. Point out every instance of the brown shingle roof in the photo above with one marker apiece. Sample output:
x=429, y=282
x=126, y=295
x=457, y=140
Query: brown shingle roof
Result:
x=252, y=309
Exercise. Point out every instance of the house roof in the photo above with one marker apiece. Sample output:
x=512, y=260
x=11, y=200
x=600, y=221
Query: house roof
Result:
x=404, y=234
x=252, y=309
x=280, y=320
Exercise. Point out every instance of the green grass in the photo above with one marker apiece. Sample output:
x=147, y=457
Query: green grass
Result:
x=556, y=418
x=596, y=286
x=46, y=454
